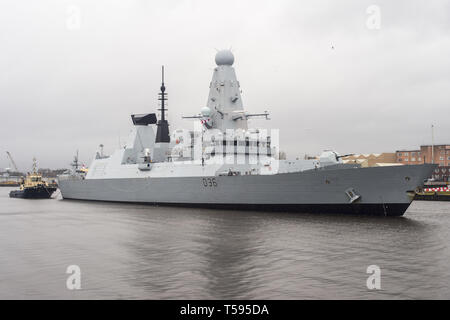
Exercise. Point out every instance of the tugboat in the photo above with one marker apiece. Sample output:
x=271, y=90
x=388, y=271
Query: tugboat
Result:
x=438, y=193
x=33, y=187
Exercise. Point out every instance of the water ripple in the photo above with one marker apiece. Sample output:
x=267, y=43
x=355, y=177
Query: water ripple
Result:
x=137, y=251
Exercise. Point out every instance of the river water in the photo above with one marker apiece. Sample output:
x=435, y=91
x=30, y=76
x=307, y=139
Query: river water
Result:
x=132, y=251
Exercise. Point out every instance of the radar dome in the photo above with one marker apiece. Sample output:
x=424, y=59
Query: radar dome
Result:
x=206, y=112
x=224, y=58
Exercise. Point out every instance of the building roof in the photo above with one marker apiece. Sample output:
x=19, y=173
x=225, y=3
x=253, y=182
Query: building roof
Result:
x=367, y=155
x=447, y=146
x=379, y=164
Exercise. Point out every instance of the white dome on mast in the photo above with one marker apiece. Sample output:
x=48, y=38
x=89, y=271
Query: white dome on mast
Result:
x=224, y=58
x=206, y=112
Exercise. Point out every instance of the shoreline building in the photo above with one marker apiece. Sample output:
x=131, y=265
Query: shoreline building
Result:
x=426, y=153
x=372, y=159
x=441, y=154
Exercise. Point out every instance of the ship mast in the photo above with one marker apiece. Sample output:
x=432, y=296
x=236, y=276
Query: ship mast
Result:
x=432, y=144
x=75, y=162
x=34, y=166
x=162, y=133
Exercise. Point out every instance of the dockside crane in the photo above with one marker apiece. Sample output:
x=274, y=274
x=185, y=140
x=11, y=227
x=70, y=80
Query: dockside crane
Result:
x=12, y=161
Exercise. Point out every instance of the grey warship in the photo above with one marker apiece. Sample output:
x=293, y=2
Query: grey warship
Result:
x=223, y=163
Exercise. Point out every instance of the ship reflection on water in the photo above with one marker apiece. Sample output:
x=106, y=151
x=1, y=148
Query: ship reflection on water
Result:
x=138, y=251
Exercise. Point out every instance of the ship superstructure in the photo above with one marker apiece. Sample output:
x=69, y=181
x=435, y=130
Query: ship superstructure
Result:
x=223, y=163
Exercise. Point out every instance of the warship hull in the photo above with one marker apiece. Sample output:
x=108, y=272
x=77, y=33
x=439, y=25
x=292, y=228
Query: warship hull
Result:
x=386, y=191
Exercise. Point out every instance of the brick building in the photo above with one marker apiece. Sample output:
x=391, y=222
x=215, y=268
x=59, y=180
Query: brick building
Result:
x=424, y=155
x=442, y=174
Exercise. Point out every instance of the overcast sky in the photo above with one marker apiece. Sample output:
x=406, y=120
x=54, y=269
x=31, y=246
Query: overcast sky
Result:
x=354, y=76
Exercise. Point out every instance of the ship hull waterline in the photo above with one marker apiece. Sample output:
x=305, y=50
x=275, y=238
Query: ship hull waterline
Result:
x=382, y=191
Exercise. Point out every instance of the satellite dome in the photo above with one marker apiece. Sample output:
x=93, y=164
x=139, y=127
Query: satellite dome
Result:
x=206, y=112
x=224, y=58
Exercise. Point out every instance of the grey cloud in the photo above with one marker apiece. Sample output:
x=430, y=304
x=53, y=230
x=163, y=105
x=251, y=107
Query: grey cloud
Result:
x=376, y=91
